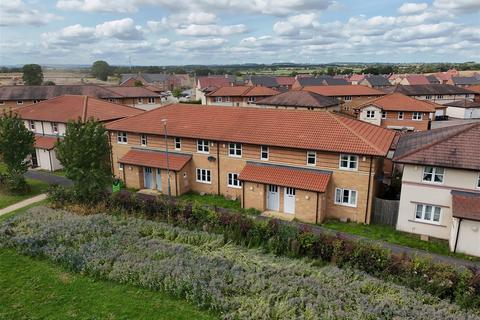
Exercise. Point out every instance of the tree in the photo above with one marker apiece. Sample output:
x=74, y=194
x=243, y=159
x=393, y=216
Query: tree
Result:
x=49, y=83
x=138, y=83
x=85, y=156
x=16, y=144
x=101, y=70
x=32, y=74
x=177, y=92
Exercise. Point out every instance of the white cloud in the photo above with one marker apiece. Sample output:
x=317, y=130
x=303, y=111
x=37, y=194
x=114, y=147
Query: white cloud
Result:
x=122, y=6
x=200, y=43
x=200, y=18
x=424, y=31
x=124, y=29
x=461, y=6
x=211, y=30
x=411, y=8
x=16, y=12
x=293, y=24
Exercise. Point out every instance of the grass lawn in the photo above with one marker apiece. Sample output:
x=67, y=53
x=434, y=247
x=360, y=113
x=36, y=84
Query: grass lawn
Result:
x=36, y=289
x=389, y=234
x=212, y=200
x=37, y=187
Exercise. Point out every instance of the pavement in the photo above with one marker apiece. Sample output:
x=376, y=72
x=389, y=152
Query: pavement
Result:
x=48, y=177
x=23, y=203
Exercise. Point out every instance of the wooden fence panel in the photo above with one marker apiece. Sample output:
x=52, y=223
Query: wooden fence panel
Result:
x=385, y=211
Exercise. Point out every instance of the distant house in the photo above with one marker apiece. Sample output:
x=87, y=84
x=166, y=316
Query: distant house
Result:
x=354, y=79
x=296, y=99
x=374, y=81
x=285, y=83
x=440, y=195
x=463, y=109
x=396, y=111
x=438, y=93
x=12, y=97
x=345, y=93
x=464, y=81
x=414, y=80
x=432, y=79
x=444, y=77
x=207, y=84
x=238, y=96
x=263, y=81
x=301, y=82
x=48, y=120
x=162, y=81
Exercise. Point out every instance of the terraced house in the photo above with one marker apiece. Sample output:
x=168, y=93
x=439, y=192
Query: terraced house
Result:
x=307, y=165
x=239, y=96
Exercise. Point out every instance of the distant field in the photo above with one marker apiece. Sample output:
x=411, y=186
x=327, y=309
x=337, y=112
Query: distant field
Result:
x=57, y=76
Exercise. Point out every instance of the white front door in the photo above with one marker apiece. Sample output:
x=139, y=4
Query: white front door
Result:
x=147, y=178
x=159, y=180
x=289, y=200
x=273, y=198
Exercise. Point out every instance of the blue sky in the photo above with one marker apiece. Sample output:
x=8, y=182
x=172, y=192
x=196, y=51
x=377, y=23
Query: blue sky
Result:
x=166, y=32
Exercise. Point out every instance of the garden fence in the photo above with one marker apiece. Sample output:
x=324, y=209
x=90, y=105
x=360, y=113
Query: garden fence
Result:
x=385, y=211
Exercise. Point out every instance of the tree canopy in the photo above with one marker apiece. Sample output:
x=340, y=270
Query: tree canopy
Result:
x=85, y=156
x=16, y=144
x=101, y=70
x=32, y=74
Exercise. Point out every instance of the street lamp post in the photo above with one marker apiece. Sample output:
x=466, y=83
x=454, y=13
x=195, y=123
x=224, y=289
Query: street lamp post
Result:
x=164, y=121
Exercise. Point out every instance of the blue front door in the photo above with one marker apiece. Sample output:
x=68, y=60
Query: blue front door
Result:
x=147, y=178
x=159, y=180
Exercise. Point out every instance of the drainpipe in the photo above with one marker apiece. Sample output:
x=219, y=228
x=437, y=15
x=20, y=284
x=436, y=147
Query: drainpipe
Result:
x=368, y=190
x=50, y=159
x=218, y=167
x=458, y=233
x=316, y=211
x=243, y=195
x=176, y=184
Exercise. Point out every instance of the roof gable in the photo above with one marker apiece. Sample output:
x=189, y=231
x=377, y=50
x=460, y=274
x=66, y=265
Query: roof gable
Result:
x=300, y=99
x=399, y=102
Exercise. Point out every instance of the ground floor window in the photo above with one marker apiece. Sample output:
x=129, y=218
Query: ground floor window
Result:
x=233, y=180
x=346, y=197
x=427, y=213
x=204, y=176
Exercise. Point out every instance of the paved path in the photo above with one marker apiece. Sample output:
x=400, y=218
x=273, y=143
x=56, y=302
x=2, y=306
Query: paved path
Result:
x=23, y=203
x=48, y=177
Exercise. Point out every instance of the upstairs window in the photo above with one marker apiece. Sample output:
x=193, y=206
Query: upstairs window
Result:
x=400, y=115
x=226, y=99
x=19, y=101
x=31, y=125
x=417, y=116
x=264, y=152
x=122, y=137
x=54, y=127
x=433, y=174
x=140, y=100
x=251, y=99
x=428, y=97
x=370, y=114
x=178, y=143
x=311, y=158
x=478, y=181
x=2, y=102
x=218, y=99
x=384, y=114
x=427, y=213
x=347, y=98
x=235, y=149
x=203, y=146
x=151, y=100
x=143, y=140
x=348, y=162
x=439, y=96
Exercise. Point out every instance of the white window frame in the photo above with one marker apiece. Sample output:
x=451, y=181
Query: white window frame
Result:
x=120, y=166
x=415, y=116
x=235, y=150
x=227, y=99
x=252, y=99
x=428, y=97
x=347, y=203
x=478, y=181
x=31, y=124
x=36, y=101
x=2, y=102
x=233, y=181
x=205, y=176
x=19, y=101
x=264, y=149
x=311, y=154
x=218, y=99
x=177, y=143
x=122, y=137
x=423, y=212
x=139, y=100
x=347, y=98
x=400, y=115
x=439, y=96
x=384, y=114
x=203, y=146
x=370, y=114
x=151, y=100
x=434, y=173
x=349, y=158
x=55, y=127
x=143, y=140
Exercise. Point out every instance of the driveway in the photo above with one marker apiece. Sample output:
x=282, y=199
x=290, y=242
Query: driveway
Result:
x=48, y=177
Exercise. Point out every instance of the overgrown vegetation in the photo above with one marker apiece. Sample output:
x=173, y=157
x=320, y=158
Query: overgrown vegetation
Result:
x=206, y=269
x=215, y=201
x=16, y=144
x=444, y=281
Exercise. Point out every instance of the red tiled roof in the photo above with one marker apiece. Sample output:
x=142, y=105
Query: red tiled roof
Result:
x=285, y=81
x=66, y=108
x=155, y=159
x=399, y=102
x=356, y=77
x=132, y=92
x=287, y=128
x=475, y=88
x=417, y=79
x=45, y=142
x=242, y=91
x=205, y=82
x=466, y=205
x=299, y=178
x=344, y=90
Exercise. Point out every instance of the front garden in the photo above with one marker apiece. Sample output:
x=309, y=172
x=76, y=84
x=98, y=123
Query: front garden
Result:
x=209, y=270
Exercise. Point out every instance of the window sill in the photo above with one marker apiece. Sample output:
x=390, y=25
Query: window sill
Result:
x=234, y=187
x=347, y=169
x=203, y=152
x=122, y=142
x=428, y=223
x=346, y=205
x=233, y=156
x=204, y=182
x=432, y=182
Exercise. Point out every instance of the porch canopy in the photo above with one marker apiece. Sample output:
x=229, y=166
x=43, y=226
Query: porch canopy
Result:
x=466, y=205
x=286, y=176
x=155, y=159
x=45, y=142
